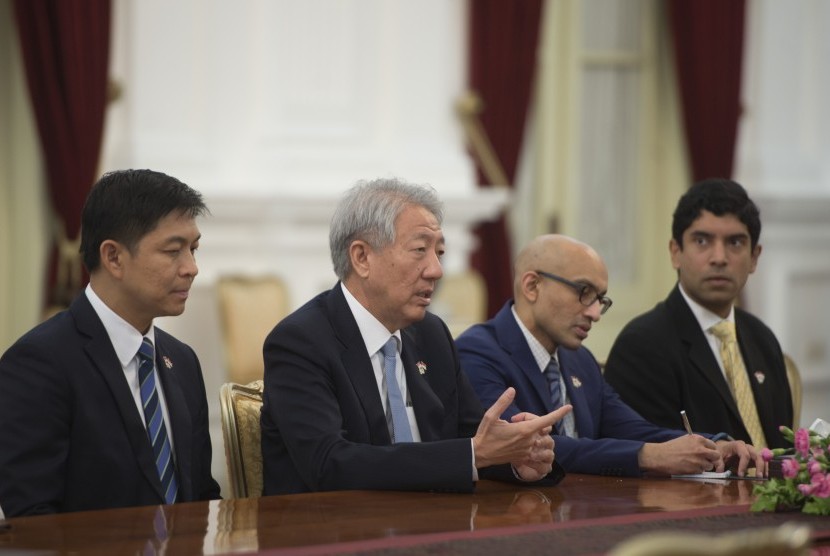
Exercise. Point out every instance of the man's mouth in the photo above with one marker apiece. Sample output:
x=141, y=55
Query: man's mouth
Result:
x=719, y=280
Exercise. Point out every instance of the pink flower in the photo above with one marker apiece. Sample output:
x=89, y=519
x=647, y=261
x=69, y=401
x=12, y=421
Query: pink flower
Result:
x=820, y=485
x=767, y=454
x=813, y=468
x=806, y=490
x=790, y=468
x=802, y=442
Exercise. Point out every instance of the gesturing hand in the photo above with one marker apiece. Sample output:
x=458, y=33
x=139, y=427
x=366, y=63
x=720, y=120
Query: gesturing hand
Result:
x=525, y=441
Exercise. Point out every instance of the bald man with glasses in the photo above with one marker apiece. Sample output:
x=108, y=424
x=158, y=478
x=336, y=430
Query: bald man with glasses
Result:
x=534, y=344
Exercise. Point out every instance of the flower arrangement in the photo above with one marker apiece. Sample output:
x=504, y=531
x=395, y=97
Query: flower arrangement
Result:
x=805, y=482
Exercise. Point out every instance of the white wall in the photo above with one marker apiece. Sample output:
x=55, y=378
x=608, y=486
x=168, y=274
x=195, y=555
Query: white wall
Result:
x=783, y=161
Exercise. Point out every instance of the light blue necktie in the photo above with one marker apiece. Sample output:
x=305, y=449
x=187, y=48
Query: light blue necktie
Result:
x=554, y=376
x=400, y=423
x=155, y=421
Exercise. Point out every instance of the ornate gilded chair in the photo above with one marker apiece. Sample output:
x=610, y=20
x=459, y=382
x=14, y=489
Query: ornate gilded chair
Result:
x=240, y=408
x=249, y=308
x=461, y=300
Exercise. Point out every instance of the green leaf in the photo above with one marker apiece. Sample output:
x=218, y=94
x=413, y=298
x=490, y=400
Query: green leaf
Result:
x=817, y=506
x=764, y=504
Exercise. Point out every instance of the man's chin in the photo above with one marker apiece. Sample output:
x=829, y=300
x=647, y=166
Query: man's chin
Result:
x=416, y=314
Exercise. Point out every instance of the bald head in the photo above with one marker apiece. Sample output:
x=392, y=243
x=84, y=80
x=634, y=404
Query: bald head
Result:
x=550, y=309
x=557, y=254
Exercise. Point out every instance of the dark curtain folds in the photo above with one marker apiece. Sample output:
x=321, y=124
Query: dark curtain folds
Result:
x=504, y=37
x=708, y=46
x=65, y=46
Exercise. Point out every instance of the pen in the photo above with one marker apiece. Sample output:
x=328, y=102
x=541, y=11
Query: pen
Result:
x=686, y=424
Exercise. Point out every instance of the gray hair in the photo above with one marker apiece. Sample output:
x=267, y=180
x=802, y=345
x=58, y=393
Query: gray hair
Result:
x=368, y=212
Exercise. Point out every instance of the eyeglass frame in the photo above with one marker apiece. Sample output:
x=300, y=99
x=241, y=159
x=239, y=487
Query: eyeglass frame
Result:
x=581, y=290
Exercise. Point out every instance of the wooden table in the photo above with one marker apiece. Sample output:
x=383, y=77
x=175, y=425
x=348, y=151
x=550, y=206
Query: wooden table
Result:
x=264, y=524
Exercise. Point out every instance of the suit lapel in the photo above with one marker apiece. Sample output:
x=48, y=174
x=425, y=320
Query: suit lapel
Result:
x=427, y=406
x=700, y=353
x=102, y=355
x=358, y=365
x=180, y=424
x=513, y=342
x=576, y=394
x=757, y=369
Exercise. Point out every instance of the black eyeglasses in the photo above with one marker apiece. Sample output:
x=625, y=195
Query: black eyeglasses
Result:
x=588, y=294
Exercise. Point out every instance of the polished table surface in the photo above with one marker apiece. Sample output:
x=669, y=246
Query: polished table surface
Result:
x=269, y=523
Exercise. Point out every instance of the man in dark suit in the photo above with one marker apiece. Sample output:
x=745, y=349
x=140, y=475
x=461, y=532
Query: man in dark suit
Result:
x=534, y=344
x=671, y=358
x=78, y=402
x=363, y=388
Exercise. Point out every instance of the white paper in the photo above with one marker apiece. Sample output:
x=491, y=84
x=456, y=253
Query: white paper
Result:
x=705, y=475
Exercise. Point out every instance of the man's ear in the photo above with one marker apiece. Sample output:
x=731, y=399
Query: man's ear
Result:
x=756, y=252
x=112, y=257
x=675, y=250
x=530, y=286
x=360, y=254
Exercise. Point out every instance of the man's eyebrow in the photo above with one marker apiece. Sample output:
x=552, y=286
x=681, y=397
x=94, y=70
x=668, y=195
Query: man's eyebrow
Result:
x=181, y=239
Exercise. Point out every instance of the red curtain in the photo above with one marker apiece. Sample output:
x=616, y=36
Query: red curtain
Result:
x=503, y=43
x=65, y=45
x=708, y=41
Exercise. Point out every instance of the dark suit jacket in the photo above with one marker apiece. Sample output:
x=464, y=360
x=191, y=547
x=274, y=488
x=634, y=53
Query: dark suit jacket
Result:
x=323, y=424
x=661, y=364
x=495, y=355
x=71, y=436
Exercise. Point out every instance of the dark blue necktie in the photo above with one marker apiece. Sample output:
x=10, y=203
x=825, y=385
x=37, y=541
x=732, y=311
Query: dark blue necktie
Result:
x=400, y=423
x=155, y=421
x=553, y=376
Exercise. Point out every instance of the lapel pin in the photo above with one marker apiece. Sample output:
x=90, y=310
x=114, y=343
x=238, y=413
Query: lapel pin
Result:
x=760, y=377
x=576, y=382
x=422, y=367
x=167, y=362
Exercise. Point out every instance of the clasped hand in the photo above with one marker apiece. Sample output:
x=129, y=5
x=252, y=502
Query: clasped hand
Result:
x=524, y=442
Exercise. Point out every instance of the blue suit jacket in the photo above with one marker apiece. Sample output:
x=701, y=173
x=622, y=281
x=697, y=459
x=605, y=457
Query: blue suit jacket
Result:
x=495, y=355
x=323, y=424
x=71, y=436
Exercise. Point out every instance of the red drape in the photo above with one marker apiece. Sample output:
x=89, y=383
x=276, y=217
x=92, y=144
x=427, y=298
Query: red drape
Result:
x=65, y=45
x=503, y=44
x=708, y=41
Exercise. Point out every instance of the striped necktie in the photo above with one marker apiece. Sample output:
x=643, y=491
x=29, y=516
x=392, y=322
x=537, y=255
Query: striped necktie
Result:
x=155, y=421
x=554, y=376
x=733, y=366
x=400, y=423
x=567, y=425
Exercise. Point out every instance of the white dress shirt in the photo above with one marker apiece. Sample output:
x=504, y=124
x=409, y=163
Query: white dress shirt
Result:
x=707, y=319
x=375, y=335
x=126, y=340
x=542, y=357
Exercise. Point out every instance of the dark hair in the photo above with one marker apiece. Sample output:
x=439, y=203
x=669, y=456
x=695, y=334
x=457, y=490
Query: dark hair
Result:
x=719, y=196
x=126, y=205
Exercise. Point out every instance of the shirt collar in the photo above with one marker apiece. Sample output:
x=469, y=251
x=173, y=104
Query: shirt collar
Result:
x=374, y=333
x=125, y=339
x=705, y=318
x=540, y=354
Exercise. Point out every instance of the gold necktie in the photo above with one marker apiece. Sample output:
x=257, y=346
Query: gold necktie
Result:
x=733, y=365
